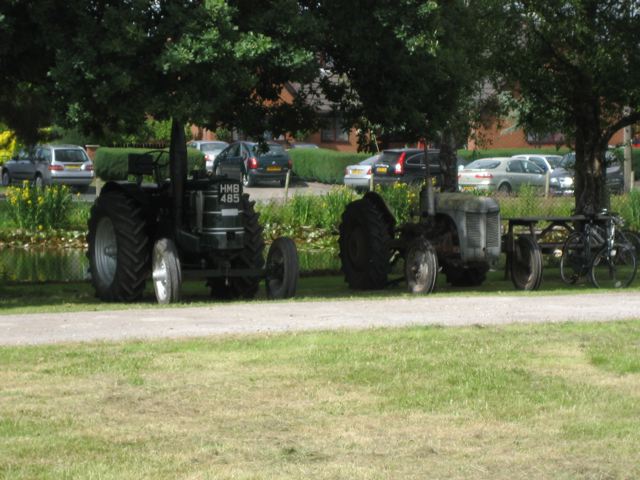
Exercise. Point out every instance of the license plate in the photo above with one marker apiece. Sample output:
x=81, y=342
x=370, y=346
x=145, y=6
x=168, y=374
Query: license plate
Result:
x=381, y=169
x=274, y=169
x=72, y=167
x=358, y=171
x=468, y=188
x=229, y=193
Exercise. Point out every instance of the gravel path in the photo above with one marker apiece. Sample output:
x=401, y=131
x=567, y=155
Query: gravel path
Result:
x=261, y=317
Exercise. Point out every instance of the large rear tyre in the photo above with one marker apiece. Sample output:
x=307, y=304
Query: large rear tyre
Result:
x=364, y=245
x=421, y=267
x=118, y=248
x=251, y=257
x=615, y=268
x=283, y=270
x=526, y=264
x=166, y=271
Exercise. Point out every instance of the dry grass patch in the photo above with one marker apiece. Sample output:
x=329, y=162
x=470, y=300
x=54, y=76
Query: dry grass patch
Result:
x=552, y=401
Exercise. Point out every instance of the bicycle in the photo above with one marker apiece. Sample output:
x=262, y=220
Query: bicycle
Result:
x=606, y=254
x=577, y=256
x=615, y=264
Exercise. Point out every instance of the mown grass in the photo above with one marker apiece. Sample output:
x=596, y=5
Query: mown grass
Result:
x=546, y=401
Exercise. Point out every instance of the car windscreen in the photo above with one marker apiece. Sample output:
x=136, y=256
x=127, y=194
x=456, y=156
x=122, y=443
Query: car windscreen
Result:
x=269, y=149
x=71, y=156
x=568, y=161
x=483, y=164
x=208, y=147
x=554, y=161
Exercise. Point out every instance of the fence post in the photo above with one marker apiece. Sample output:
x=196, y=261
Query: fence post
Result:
x=547, y=178
x=286, y=186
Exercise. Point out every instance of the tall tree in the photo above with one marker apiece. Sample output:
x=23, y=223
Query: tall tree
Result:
x=574, y=66
x=413, y=68
x=106, y=66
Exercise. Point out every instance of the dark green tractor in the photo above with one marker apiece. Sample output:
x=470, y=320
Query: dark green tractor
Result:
x=185, y=226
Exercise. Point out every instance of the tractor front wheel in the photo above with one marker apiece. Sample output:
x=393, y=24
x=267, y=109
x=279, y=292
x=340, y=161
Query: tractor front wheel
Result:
x=282, y=269
x=166, y=271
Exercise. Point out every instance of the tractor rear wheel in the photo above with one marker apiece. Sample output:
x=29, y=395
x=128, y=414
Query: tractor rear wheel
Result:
x=118, y=248
x=251, y=257
x=364, y=245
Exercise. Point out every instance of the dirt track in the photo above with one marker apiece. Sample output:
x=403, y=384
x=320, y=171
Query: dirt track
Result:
x=261, y=317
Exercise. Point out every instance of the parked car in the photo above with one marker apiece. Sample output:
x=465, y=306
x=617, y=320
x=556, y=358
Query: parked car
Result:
x=500, y=174
x=257, y=162
x=210, y=148
x=562, y=178
x=545, y=162
x=406, y=165
x=50, y=165
x=358, y=176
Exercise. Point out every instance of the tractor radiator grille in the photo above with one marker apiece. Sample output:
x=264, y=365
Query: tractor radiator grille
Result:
x=474, y=230
x=483, y=230
x=493, y=230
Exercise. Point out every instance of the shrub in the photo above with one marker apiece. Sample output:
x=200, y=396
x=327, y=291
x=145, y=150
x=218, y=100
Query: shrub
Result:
x=7, y=145
x=39, y=209
x=403, y=200
x=112, y=163
x=509, y=152
x=322, y=165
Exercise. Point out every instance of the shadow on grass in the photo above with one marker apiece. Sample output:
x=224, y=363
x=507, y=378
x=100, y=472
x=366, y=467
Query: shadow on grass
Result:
x=59, y=297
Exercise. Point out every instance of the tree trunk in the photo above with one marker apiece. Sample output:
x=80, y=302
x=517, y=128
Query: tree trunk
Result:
x=448, y=162
x=590, y=170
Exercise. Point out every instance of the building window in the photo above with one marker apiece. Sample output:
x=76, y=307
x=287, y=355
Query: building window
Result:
x=334, y=131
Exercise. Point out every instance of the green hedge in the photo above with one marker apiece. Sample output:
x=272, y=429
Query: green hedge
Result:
x=322, y=165
x=112, y=163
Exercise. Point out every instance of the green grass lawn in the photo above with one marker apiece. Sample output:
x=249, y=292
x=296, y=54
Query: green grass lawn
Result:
x=545, y=401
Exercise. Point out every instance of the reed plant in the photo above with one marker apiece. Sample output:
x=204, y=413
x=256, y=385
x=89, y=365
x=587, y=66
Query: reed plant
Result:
x=39, y=209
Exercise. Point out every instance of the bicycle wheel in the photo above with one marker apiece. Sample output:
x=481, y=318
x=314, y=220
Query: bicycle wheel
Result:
x=615, y=268
x=574, y=262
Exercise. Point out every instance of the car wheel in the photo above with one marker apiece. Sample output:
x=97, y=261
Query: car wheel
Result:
x=38, y=182
x=247, y=180
x=505, y=188
x=6, y=179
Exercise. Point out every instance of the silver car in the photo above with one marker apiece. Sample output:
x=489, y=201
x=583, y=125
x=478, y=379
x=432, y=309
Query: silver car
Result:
x=358, y=176
x=210, y=148
x=50, y=165
x=500, y=174
x=544, y=161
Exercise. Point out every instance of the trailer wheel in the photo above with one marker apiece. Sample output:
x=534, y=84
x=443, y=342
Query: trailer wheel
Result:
x=421, y=267
x=364, y=246
x=526, y=264
x=251, y=257
x=465, y=277
x=118, y=247
x=166, y=271
x=282, y=269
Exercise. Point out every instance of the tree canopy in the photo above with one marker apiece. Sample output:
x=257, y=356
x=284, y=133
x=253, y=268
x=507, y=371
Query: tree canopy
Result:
x=575, y=68
x=106, y=66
